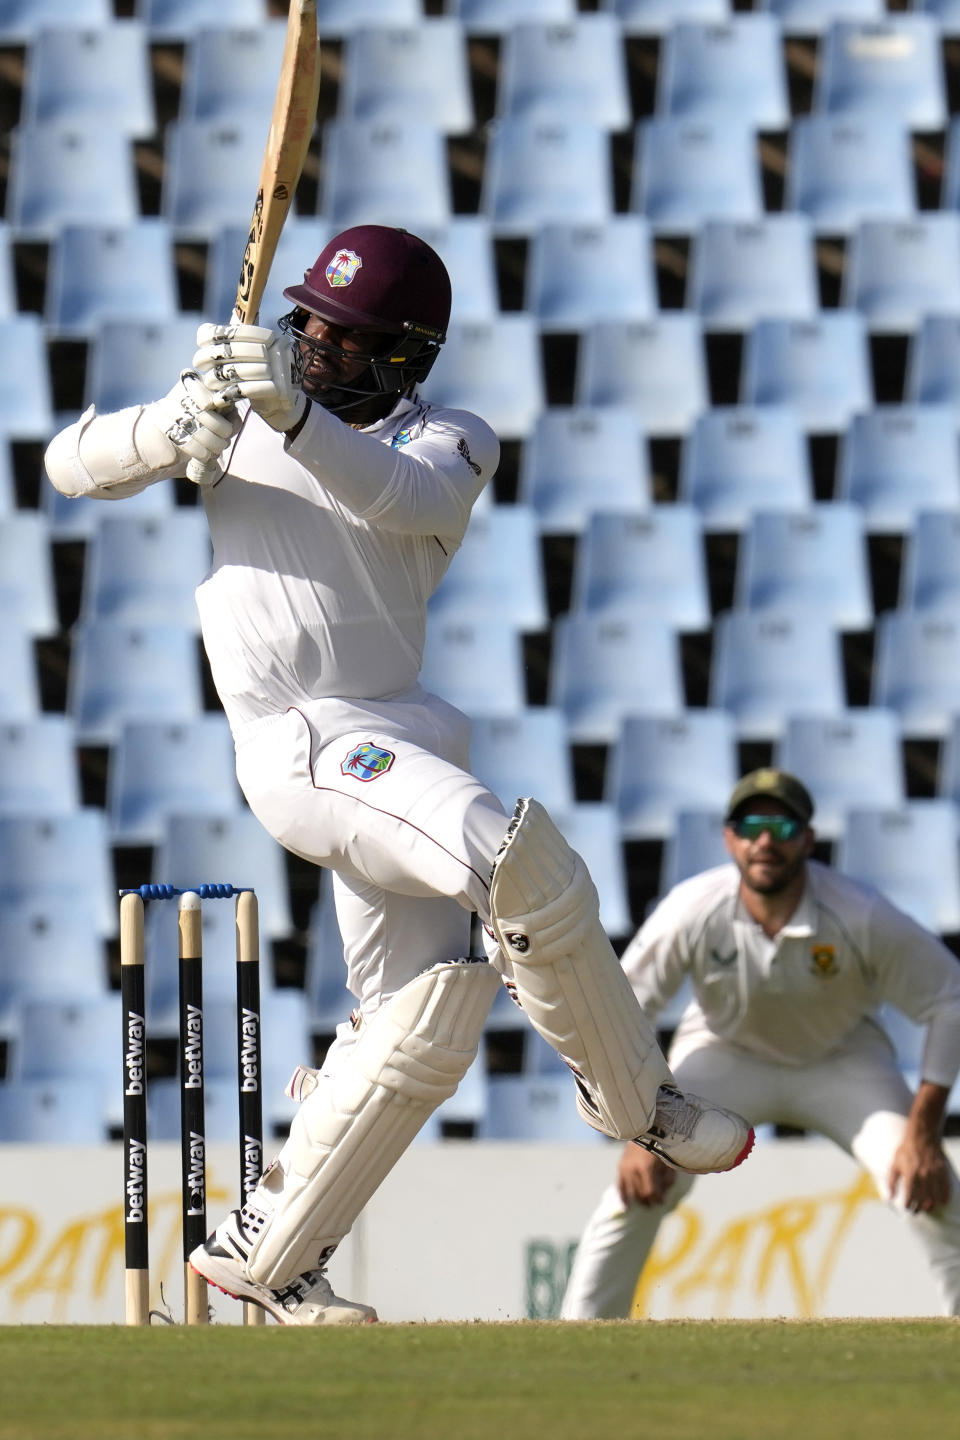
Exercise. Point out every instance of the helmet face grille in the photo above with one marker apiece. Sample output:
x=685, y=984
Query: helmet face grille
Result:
x=391, y=371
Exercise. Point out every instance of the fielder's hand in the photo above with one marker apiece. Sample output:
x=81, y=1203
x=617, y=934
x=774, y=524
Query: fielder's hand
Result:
x=187, y=424
x=253, y=363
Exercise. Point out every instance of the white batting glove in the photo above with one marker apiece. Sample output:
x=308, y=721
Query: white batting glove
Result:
x=253, y=363
x=189, y=423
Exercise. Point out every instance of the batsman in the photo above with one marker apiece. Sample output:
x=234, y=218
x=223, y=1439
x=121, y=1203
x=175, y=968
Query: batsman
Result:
x=336, y=498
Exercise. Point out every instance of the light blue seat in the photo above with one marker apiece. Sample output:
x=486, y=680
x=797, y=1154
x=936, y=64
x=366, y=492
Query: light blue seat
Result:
x=497, y=572
x=845, y=761
x=930, y=572
x=688, y=171
x=655, y=368
x=644, y=565
x=287, y=1042
x=933, y=362
x=131, y=364
x=470, y=372
x=910, y=855
x=221, y=1116
x=52, y=1112
x=945, y=12
x=576, y=71
x=59, y=860
x=813, y=17
x=662, y=765
x=38, y=766
x=535, y=1108
x=231, y=74
x=48, y=951
x=301, y=240
x=63, y=1038
x=158, y=770
x=767, y=666
x=62, y=175
x=542, y=171
x=539, y=1056
x=91, y=76
x=102, y=273
x=122, y=672
x=897, y=460
x=468, y=1104
x=916, y=670
x=948, y=773
x=899, y=271
x=891, y=67
x=392, y=72
x=232, y=848
x=820, y=367
x=79, y=517
x=477, y=666
x=335, y=19
x=734, y=68
x=20, y=691
x=21, y=21
x=498, y=17
x=695, y=845
x=740, y=459
x=8, y=289
x=524, y=754
x=743, y=271
x=950, y=191
x=465, y=245
x=607, y=667
x=843, y=169
x=908, y=1039
x=579, y=274
x=657, y=17
x=145, y=571
x=26, y=398
x=329, y=1002
x=505, y=1014
x=27, y=592
x=816, y=562
x=384, y=174
x=210, y=170
x=175, y=21
x=577, y=461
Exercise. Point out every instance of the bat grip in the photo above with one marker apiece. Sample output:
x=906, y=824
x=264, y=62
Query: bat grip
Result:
x=202, y=472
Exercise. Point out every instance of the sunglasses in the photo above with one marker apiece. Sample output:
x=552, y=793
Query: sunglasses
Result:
x=779, y=827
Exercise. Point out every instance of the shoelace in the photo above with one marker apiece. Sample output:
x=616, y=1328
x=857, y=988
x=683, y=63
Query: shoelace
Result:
x=675, y=1114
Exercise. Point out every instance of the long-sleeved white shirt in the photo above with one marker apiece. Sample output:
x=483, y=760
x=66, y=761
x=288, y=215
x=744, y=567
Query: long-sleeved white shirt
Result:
x=796, y=997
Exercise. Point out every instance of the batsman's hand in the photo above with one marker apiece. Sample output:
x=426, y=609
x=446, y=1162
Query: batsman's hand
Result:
x=642, y=1178
x=188, y=424
x=253, y=363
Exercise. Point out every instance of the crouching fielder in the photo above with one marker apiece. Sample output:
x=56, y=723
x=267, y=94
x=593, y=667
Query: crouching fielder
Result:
x=788, y=962
x=340, y=498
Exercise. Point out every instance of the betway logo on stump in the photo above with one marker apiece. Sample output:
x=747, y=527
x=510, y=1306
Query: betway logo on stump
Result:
x=195, y=1177
x=133, y=1053
x=249, y=1046
x=193, y=1050
x=136, y=1183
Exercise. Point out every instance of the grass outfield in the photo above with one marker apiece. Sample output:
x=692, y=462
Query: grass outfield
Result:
x=686, y=1380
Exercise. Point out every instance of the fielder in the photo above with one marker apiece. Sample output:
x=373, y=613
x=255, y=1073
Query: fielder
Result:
x=788, y=962
x=339, y=500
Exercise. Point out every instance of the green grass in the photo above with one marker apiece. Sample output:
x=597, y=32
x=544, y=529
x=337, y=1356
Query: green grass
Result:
x=683, y=1380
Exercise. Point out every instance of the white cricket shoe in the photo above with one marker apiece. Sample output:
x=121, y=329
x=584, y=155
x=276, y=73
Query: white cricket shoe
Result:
x=308, y=1299
x=691, y=1134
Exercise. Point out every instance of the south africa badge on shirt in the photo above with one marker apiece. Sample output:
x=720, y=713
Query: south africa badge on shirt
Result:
x=367, y=762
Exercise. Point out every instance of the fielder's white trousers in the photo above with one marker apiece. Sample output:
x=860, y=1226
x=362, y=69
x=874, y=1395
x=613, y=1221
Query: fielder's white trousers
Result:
x=857, y=1098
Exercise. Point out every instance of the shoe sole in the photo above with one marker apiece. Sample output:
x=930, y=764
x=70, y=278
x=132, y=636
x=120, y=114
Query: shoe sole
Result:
x=250, y=1296
x=654, y=1148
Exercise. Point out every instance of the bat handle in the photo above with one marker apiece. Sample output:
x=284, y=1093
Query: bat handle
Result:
x=203, y=472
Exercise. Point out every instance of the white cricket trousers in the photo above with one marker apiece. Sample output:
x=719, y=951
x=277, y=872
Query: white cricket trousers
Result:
x=857, y=1098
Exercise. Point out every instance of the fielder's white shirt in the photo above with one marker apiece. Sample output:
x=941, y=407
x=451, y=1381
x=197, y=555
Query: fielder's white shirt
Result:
x=795, y=998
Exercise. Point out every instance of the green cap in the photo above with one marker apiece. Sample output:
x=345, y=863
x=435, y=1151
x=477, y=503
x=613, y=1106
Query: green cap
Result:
x=772, y=785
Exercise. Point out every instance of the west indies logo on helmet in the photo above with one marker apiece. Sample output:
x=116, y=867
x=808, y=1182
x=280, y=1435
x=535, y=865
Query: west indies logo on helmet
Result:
x=387, y=292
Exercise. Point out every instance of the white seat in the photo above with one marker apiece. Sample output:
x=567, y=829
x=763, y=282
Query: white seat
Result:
x=384, y=173
x=121, y=672
x=478, y=667
x=846, y=761
x=100, y=273
x=910, y=855
x=394, y=71
x=580, y=460
x=496, y=573
x=769, y=665
x=661, y=765
x=740, y=459
x=653, y=564
x=90, y=75
x=607, y=667
x=158, y=770
x=38, y=766
x=470, y=372
x=656, y=368
x=816, y=563
x=146, y=571
x=524, y=754
x=542, y=171
x=573, y=71
x=579, y=274
x=70, y=174
x=27, y=590
x=897, y=460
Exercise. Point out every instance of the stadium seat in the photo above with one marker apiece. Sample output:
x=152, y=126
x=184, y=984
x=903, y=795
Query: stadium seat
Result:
x=899, y=271
x=26, y=397
x=392, y=72
x=916, y=670
x=950, y=191
x=231, y=848
x=301, y=240
x=733, y=69
x=477, y=667
x=496, y=573
x=59, y=860
x=48, y=951
x=102, y=273
x=762, y=665
x=176, y=21
x=383, y=174
x=52, y=1112
x=910, y=855
x=657, y=17
x=20, y=691
x=210, y=170
x=329, y=1002
x=576, y=71
x=335, y=19
x=655, y=368
x=524, y=754
x=820, y=367
x=465, y=245
x=930, y=571
x=21, y=21
x=815, y=563
x=846, y=761
x=59, y=175
x=221, y=1118
x=843, y=169
x=644, y=565
x=542, y=171
x=158, y=770
x=743, y=272
x=897, y=460
x=740, y=459
x=38, y=766
x=230, y=75
x=27, y=591
x=78, y=517
x=468, y=1104
x=578, y=461
x=948, y=773
x=933, y=362
x=945, y=12
x=8, y=289
x=813, y=17
x=121, y=672
x=607, y=667
x=130, y=363
x=579, y=274
x=686, y=172
x=696, y=845
x=494, y=368
x=592, y=829
x=498, y=17
x=539, y=1056
x=145, y=572
x=91, y=77
x=891, y=67
x=662, y=765
x=534, y=1108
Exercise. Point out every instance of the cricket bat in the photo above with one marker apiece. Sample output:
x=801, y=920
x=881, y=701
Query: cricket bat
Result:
x=291, y=126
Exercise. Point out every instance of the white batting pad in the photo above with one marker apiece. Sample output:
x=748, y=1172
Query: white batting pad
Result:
x=353, y=1127
x=545, y=913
